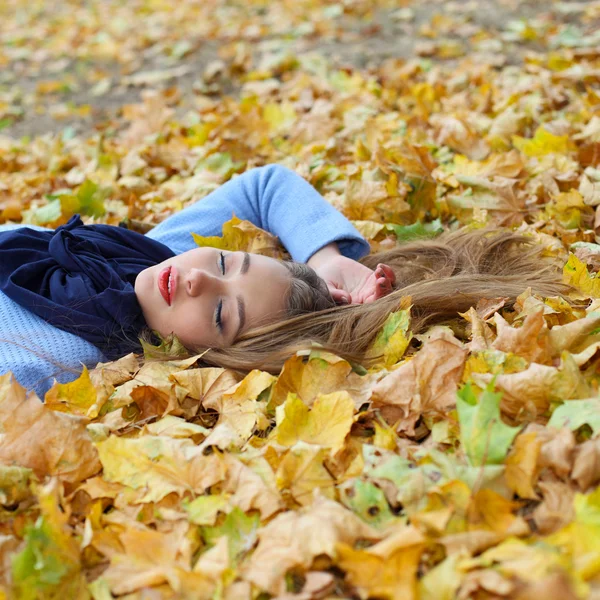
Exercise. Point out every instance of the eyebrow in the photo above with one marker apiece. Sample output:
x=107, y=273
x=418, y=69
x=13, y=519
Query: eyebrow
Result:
x=241, y=304
x=246, y=264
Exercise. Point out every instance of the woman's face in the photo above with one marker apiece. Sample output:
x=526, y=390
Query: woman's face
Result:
x=207, y=297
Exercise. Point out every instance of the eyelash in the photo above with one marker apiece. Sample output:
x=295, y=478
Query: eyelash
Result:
x=220, y=305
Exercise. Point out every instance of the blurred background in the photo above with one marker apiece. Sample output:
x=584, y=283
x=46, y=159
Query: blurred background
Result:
x=75, y=65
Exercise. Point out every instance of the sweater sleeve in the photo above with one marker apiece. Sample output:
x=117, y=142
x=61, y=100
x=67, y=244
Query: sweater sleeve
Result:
x=273, y=198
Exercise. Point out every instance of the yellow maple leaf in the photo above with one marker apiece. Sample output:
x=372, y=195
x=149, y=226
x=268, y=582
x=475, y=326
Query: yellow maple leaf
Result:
x=575, y=273
x=243, y=236
x=521, y=465
x=543, y=142
x=388, y=569
x=322, y=373
x=76, y=397
x=327, y=424
x=393, y=338
x=158, y=465
x=301, y=472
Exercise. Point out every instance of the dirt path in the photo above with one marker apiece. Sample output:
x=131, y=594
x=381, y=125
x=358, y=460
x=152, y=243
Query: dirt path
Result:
x=71, y=69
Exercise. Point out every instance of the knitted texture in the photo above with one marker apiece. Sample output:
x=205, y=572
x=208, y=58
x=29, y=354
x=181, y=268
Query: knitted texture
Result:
x=273, y=198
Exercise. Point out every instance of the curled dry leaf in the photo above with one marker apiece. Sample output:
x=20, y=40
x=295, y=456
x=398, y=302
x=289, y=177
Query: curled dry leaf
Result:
x=296, y=538
x=423, y=385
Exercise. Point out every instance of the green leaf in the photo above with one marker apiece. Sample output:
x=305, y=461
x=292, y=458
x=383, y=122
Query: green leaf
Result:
x=49, y=565
x=417, y=230
x=204, y=509
x=575, y=413
x=14, y=484
x=91, y=199
x=37, y=566
x=393, y=338
x=169, y=346
x=221, y=163
x=49, y=213
x=240, y=530
x=368, y=502
x=485, y=438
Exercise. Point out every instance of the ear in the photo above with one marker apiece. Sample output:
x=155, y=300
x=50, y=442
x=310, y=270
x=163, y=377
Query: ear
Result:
x=339, y=296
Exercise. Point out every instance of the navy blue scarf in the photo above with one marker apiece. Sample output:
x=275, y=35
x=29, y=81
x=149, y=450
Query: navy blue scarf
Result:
x=80, y=278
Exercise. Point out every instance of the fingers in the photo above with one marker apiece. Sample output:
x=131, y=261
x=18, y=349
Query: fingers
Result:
x=340, y=296
x=385, y=271
x=384, y=279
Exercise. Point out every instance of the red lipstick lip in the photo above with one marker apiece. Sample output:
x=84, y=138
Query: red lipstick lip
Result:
x=163, y=284
x=173, y=284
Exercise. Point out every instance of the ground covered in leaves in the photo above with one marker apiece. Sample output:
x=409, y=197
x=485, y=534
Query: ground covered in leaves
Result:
x=466, y=464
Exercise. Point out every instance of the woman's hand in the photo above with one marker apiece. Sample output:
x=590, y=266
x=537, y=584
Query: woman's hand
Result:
x=348, y=281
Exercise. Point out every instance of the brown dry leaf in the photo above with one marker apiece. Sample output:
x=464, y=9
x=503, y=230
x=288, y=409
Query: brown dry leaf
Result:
x=527, y=395
x=556, y=508
x=586, y=464
x=251, y=489
x=150, y=558
x=155, y=374
x=302, y=472
x=501, y=199
x=412, y=159
x=487, y=581
x=374, y=201
x=530, y=341
x=204, y=387
x=317, y=585
x=295, y=538
x=460, y=136
x=387, y=569
x=557, y=449
x=159, y=465
x=146, y=118
x=423, y=385
x=575, y=338
x=36, y=437
x=555, y=586
x=482, y=336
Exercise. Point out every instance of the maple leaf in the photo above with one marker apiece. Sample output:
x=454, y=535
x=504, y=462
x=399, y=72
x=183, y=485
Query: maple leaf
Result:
x=243, y=236
x=48, y=565
x=393, y=339
x=158, y=465
x=40, y=439
x=326, y=424
x=387, y=569
x=543, y=142
x=484, y=436
x=425, y=384
x=295, y=538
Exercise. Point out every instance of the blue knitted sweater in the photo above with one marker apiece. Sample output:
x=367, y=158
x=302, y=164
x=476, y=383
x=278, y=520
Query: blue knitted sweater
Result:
x=273, y=198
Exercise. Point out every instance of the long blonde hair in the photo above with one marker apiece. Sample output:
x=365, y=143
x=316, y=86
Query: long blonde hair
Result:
x=442, y=277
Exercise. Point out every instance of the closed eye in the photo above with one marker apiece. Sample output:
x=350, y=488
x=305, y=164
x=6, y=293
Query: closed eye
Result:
x=222, y=261
x=218, y=319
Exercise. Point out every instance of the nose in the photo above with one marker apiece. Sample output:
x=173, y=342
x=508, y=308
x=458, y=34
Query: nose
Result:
x=198, y=281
